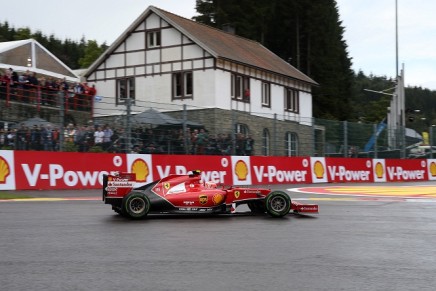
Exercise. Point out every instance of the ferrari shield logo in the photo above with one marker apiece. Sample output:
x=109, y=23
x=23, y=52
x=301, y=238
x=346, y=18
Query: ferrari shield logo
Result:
x=237, y=194
x=167, y=186
x=203, y=199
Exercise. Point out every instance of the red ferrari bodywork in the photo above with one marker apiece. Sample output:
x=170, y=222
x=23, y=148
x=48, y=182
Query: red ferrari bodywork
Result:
x=189, y=194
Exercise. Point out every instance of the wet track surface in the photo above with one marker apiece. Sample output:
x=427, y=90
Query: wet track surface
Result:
x=350, y=245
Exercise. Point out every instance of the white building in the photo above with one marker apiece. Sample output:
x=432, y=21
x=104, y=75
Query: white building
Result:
x=169, y=60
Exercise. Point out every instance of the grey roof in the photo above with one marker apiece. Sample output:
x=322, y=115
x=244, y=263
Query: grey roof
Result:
x=218, y=43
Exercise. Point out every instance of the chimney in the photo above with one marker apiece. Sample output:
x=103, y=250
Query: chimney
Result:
x=227, y=27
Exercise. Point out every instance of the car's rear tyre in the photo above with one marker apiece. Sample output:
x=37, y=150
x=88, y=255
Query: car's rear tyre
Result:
x=278, y=204
x=135, y=205
x=257, y=207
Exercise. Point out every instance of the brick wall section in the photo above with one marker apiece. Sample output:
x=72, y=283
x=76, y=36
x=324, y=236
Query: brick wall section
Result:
x=16, y=112
x=221, y=121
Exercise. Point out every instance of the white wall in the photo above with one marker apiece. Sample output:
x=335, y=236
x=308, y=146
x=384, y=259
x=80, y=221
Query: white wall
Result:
x=211, y=86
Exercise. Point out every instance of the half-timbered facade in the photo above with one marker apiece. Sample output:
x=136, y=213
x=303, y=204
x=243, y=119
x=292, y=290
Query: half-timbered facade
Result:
x=169, y=60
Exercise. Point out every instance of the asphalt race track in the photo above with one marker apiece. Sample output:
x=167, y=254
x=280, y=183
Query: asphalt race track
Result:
x=70, y=240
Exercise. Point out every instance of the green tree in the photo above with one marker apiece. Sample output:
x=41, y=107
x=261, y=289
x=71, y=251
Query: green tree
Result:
x=22, y=33
x=308, y=34
x=92, y=52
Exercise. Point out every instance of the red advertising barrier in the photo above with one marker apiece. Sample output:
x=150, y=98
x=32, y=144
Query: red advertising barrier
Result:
x=22, y=170
x=402, y=171
x=59, y=170
x=277, y=170
x=340, y=170
x=153, y=167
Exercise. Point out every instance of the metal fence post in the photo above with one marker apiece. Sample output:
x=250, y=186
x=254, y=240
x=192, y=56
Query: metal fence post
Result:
x=233, y=132
x=430, y=130
x=185, y=134
x=128, y=125
x=61, y=100
x=375, y=141
x=275, y=134
x=345, y=124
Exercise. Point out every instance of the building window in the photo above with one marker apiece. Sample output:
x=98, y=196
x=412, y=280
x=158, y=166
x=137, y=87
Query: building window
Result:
x=291, y=144
x=182, y=85
x=266, y=94
x=292, y=100
x=240, y=87
x=265, y=142
x=153, y=39
x=125, y=90
x=241, y=128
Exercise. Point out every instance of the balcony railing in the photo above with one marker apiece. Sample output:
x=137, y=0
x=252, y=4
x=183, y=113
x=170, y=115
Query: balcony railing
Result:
x=36, y=95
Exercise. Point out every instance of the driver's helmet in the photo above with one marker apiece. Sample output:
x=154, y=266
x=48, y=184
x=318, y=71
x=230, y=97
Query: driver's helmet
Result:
x=210, y=185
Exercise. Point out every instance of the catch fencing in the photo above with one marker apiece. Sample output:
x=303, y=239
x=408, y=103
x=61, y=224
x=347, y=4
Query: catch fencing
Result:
x=195, y=130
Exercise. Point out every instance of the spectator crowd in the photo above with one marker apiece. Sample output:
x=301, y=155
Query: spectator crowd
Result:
x=29, y=88
x=103, y=138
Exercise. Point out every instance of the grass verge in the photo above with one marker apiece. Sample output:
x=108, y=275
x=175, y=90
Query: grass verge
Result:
x=7, y=195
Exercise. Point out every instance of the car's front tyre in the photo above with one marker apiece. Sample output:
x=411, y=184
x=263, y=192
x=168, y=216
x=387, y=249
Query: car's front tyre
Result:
x=278, y=204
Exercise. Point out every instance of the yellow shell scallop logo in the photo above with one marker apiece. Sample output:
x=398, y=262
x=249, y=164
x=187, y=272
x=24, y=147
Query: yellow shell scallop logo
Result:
x=433, y=169
x=379, y=170
x=241, y=170
x=140, y=168
x=217, y=199
x=318, y=169
x=4, y=170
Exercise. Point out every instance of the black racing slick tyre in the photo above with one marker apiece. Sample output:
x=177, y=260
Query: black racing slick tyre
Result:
x=278, y=204
x=135, y=205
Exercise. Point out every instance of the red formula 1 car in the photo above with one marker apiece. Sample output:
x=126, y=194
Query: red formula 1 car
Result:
x=188, y=194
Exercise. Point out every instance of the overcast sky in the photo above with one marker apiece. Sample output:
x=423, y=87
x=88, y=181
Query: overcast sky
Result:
x=369, y=28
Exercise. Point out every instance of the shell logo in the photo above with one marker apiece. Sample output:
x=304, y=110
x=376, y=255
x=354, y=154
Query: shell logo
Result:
x=140, y=168
x=318, y=169
x=4, y=170
x=433, y=169
x=241, y=170
x=217, y=199
x=379, y=171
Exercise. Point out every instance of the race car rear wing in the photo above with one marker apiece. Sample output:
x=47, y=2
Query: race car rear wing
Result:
x=117, y=185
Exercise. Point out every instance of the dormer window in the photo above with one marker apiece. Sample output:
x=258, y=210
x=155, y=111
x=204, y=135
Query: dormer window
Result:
x=153, y=38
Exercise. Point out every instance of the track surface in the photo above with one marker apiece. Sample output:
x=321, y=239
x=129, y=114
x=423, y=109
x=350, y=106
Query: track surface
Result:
x=355, y=243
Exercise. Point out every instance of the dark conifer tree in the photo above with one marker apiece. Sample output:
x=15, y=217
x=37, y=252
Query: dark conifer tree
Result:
x=308, y=34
